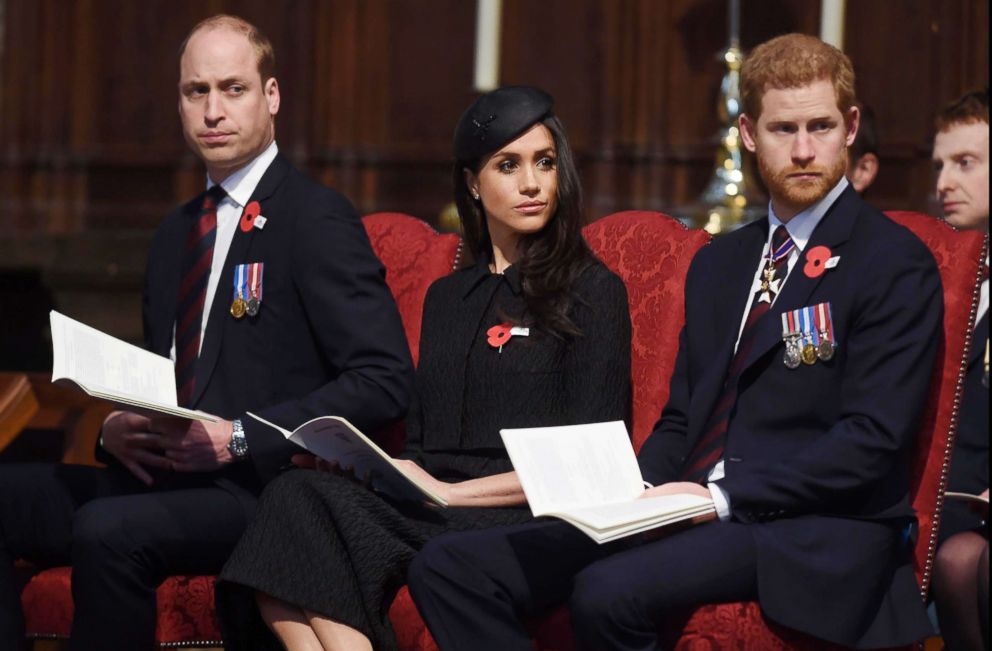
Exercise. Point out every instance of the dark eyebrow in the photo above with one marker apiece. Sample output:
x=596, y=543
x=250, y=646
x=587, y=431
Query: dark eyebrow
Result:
x=544, y=151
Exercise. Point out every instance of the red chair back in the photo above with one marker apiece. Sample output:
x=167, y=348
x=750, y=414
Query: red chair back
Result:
x=415, y=255
x=960, y=256
x=651, y=252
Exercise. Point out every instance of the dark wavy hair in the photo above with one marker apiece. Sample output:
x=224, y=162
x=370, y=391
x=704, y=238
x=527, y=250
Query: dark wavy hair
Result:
x=549, y=261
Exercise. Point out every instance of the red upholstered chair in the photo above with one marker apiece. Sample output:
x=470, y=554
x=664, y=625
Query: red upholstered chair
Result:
x=651, y=252
x=414, y=255
x=959, y=256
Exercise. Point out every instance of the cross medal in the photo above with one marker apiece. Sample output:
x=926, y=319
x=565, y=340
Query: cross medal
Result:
x=769, y=283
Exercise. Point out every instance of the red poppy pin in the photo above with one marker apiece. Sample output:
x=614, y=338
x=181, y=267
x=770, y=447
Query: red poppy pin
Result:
x=252, y=211
x=816, y=261
x=499, y=335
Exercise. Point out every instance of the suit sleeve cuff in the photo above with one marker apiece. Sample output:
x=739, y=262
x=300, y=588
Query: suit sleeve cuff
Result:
x=721, y=501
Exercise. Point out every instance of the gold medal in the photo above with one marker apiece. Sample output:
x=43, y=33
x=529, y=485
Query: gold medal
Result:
x=809, y=354
x=238, y=308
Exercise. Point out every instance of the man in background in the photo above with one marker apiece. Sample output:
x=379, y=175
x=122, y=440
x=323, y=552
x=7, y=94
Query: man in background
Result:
x=961, y=571
x=862, y=156
x=265, y=292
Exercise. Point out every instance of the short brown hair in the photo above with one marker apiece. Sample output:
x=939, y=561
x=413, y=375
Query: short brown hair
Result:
x=265, y=55
x=970, y=108
x=791, y=61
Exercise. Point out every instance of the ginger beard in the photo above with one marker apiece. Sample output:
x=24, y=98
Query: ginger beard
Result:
x=801, y=193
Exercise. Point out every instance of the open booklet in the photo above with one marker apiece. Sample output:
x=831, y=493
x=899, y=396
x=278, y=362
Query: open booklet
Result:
x=106, y=367
x=588, y=476
x=333, y=438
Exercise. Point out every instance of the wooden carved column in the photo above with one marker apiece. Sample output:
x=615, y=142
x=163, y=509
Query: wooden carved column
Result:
x=348, y=103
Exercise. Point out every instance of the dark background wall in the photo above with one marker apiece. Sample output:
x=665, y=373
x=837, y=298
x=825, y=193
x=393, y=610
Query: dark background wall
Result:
x=91, y=155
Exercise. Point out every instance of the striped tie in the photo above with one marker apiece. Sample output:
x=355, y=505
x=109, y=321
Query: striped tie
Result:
x=710, y=447
x=198, y=256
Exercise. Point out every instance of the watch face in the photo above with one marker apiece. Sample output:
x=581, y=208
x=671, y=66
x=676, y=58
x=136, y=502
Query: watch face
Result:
x=238, y=447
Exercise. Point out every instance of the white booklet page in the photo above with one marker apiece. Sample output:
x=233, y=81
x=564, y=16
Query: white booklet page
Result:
x=333, y=438
x=114, y=370
x=588, y=476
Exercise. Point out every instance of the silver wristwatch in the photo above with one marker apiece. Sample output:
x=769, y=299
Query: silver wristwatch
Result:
x=238, y=447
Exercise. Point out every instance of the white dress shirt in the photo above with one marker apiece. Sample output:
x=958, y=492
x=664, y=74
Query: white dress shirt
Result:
x=239, y=187
x=800, y=229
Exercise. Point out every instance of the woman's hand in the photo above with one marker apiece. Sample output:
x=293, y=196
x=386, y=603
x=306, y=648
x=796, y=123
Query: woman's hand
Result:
x=677, y=488
x=442, y=489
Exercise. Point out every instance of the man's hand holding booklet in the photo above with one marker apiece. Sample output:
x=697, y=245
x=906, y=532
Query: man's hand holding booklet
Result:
x=588, y=476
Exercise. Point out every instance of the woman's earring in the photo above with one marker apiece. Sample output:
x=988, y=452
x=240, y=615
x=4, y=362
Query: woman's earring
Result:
x=475, y=195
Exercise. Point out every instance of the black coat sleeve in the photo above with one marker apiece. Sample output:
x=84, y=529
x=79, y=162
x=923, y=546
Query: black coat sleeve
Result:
x=598, y=372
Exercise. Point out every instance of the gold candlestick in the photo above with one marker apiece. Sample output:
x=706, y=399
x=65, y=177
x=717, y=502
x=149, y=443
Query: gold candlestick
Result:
x=729, y=199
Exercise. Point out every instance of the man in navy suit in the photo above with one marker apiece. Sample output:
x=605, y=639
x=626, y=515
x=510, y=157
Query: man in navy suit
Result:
x=265, y=292
x=802, y=370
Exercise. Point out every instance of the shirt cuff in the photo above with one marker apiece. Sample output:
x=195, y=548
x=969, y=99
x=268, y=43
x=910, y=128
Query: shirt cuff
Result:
x=721, y=501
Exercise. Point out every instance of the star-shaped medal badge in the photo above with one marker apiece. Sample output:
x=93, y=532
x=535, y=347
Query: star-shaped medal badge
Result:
x=769, y=285
x=773, y=287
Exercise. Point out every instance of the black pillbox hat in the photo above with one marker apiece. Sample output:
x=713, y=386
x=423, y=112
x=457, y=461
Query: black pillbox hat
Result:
x=498, y=117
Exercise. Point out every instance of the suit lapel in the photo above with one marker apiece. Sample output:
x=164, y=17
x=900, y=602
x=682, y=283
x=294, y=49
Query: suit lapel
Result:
x=163, y=286
x=219, y=310
x=731, y=296
x=833, y=230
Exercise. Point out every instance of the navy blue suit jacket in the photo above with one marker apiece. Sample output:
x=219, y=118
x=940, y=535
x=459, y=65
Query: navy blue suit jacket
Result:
x=327, y=340
x=817, y=457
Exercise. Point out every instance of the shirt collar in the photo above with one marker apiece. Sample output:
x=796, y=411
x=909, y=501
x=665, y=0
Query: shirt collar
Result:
x=478, y=273
x=801, y=226
x=240, y=185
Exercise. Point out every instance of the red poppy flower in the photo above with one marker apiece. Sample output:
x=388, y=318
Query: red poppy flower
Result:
x=816, y=259
x=499, y=335
x=252, y=211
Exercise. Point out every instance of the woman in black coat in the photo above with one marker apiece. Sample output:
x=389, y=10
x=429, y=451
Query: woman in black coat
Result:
x=536, y=333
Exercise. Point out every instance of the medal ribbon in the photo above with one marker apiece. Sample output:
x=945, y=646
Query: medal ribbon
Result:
x=240, y=281
x=809, y=325
x=253, y=284
x=826, y=323
x=782, y=251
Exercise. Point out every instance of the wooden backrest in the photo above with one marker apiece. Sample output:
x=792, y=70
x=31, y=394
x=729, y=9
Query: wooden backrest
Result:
x=959, y=256
x=651, y=252
x=18, y=405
